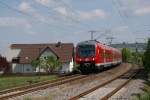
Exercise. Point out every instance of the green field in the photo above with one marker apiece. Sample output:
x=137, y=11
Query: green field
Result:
x=14, y=81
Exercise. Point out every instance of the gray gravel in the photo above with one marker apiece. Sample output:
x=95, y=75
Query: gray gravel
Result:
x=126, y=92
x=101, y=92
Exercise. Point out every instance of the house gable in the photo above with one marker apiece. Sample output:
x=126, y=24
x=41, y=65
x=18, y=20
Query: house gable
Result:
x=47, y=52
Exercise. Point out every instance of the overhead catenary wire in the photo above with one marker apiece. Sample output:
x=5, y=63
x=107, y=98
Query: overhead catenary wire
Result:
x=121, y=14
x=103, y=34
x=74, y=20
x=66, y=5
x=115, y=4
x=28, y=15
x=11, y=8
x=18, y=11
x=122, y=19
x=75, y=12
x=126, y=17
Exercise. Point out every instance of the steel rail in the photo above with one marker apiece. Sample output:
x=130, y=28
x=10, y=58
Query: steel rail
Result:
x=40, y=86
x=109, y=95
x=35, y=84
x=97, y=87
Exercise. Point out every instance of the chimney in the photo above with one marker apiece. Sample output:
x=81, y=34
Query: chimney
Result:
x=58, y=44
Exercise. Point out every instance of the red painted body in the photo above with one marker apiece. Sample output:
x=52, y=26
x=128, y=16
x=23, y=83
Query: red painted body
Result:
x=104, y=55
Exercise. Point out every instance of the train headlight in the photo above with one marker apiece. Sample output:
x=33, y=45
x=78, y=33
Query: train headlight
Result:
x=80, y=59
x=93, y=59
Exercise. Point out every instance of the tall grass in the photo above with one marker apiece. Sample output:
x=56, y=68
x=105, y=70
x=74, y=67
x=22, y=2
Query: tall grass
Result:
x=14, y=81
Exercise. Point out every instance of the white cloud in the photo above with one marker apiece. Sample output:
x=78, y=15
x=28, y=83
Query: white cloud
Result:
x=97, y=13
x=64, y=10
x=120, y=29
x=14, y=22
x=34, y=15
x=53, y=3
x=25, y=7
x=48, y=3
x=143, y=11
x=61, y=10
x=134, y=7
x=43, y=2
x=77, y=15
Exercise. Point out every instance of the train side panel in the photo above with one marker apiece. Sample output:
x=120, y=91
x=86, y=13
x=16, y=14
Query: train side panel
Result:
x=99, y=59
x=108, y=56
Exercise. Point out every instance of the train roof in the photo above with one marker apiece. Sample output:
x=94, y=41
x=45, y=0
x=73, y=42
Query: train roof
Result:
x=89, y=42
x=94, y=42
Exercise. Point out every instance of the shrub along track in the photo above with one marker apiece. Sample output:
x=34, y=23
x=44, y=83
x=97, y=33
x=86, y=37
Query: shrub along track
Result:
x=73, y=88
x=17, y=91
x=101, y=88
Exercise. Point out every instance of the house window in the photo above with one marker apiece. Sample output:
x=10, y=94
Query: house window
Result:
x=27, y=69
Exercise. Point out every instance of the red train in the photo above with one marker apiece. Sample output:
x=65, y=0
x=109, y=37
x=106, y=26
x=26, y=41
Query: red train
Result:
x=93, y=55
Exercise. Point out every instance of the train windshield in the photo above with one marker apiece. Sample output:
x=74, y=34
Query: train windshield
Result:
x=86, y=50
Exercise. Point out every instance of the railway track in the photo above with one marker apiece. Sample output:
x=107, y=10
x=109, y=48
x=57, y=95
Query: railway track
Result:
x=130, y=77
x=72, y=80
x=105, y=96
x=66, y=91
x=31, y=85
x=9, y=93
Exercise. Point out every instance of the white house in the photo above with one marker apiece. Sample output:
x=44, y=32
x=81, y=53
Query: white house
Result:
x=26, y=53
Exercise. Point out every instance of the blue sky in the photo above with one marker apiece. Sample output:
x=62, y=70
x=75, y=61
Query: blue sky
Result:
x=46, y=21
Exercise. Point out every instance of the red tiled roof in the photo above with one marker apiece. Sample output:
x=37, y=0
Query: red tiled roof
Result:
x=30, y=52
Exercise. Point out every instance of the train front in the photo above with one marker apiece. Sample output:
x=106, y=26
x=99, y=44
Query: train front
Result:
x=85, y=56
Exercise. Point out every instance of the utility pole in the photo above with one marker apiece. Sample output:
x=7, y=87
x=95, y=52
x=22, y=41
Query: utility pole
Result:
x=136, y=50
x=92, y=33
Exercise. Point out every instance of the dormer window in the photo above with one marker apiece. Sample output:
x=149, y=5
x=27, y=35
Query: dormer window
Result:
x=15, y=59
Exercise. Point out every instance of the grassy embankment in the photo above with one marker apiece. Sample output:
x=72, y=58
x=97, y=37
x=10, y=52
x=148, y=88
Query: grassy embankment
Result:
x=14, y=81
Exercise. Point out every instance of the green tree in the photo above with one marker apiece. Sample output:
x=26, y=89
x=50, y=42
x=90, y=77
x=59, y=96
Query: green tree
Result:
x=138, y=57
x=147, y=56
x=51, y=63
x=143, y=59
x=36, y=63
x=126, y=55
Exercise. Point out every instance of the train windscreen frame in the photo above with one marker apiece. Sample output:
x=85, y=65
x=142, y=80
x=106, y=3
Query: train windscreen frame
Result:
x=86, y=50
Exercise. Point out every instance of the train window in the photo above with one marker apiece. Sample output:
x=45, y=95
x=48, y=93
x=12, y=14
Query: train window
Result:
x=86, y=50
x=107, y=55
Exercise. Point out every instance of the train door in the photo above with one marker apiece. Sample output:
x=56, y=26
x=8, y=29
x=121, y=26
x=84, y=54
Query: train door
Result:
x=104, y=55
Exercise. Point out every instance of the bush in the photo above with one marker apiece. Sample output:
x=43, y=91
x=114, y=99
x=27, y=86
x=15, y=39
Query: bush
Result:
x=147, y=57
x=126, y=55
x=76, y=70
